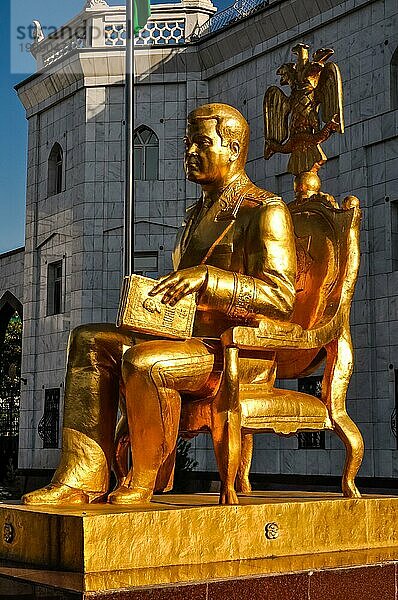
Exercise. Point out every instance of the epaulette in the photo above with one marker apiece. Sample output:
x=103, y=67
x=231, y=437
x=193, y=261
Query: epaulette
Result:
x=259, y=196
x=242, y=191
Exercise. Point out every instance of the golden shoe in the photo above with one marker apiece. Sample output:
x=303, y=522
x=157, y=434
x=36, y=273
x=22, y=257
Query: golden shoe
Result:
x=58, y=493
x=133, y=495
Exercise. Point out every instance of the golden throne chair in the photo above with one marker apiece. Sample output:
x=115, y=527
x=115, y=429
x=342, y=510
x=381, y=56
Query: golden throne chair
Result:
x=327, y=241
x=328, y=254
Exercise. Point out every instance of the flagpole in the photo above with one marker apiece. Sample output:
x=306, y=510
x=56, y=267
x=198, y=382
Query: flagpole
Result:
x=129, y=217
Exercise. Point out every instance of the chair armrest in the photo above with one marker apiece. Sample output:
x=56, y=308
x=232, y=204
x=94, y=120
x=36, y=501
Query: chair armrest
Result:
x=277, y=335
x=267, y=335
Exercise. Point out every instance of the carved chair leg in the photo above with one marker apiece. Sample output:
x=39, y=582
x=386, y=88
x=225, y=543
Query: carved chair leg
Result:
x=242, y=481
x=226, y=427
x=227, y=451
x=352, y=438
x=339, y=367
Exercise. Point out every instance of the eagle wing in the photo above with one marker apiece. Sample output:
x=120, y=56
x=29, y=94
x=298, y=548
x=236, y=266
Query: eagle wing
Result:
x=276, y=113
x=329, y=95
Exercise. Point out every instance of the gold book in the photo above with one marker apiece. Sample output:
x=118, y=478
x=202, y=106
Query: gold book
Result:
x=147, y=314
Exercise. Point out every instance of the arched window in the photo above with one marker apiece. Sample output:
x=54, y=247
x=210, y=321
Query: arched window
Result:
x=394, y=80
x=55, y=170
x=146, y=154
x=9, y=305
x=10, y=377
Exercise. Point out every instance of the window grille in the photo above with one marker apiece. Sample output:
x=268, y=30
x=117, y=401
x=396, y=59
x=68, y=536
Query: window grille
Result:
x=49, y=423
x=146, y=154
x=54, y=288
x=55, y=171
x=311, y=439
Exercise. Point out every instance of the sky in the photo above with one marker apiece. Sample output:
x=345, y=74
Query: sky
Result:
x=16, y=64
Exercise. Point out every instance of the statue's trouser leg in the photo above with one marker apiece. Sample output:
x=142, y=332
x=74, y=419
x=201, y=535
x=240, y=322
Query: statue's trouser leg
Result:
x=154, y=374
x=91, y=403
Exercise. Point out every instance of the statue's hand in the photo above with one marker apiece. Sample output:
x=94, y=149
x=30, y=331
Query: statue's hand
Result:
x=180, y=283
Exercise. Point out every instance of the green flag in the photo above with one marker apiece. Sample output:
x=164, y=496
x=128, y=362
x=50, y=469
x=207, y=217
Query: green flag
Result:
x=142, y=10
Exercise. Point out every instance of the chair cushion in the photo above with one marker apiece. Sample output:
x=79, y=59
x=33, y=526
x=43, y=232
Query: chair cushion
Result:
x=260, y=403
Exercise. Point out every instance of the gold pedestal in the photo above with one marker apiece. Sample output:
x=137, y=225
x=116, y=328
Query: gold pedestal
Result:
x=175, y=531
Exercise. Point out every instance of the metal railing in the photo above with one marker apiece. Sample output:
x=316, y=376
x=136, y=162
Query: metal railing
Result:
x=96, y=29
x=239, y=10
x=162, y=31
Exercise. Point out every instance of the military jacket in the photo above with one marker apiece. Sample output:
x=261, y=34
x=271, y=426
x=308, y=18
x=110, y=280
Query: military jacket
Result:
x=246, y=240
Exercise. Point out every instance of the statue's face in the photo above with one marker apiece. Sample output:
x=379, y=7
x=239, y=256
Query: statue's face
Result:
x=207, y=161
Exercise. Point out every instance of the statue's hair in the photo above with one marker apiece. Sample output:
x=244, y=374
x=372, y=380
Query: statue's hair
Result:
x=231, y=125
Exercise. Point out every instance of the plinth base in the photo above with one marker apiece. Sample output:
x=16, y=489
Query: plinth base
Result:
x=366, y=575
x=274, y=545
x=175, y=531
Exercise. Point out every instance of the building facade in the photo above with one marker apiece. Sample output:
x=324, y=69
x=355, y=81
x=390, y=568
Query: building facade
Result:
x=185, y=56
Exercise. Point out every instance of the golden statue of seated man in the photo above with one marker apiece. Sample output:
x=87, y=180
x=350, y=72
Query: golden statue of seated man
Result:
x=237, y=253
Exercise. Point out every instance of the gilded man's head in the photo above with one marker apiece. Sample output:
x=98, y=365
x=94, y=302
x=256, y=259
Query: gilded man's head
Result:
x=216, y=145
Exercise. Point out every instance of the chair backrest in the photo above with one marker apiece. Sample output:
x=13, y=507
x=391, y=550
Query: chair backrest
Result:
x=323, y=259
x=327, y=241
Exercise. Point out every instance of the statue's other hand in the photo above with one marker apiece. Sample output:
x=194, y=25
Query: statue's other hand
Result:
x=180, y=283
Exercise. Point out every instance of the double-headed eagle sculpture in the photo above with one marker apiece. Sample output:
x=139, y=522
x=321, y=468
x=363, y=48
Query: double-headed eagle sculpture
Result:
x=299, y=123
